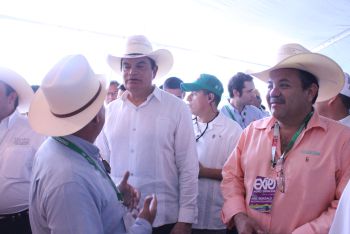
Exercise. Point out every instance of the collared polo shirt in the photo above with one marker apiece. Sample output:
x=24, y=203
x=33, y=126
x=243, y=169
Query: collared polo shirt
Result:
x=249, y=114
x=316, y=172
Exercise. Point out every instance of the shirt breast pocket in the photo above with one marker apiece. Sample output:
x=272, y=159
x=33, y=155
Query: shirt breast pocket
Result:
x=164, y=129
x=17, y=162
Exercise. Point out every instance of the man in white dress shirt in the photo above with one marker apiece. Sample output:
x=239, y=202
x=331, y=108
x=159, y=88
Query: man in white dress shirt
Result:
x=216, y=137
x=18, y=144
x=149, y=133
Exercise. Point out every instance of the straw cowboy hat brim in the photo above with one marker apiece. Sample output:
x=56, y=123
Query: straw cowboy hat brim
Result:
x=162, y=57
x=87, y=94
x=20, y=85
x=138, y=46
x=329, y=74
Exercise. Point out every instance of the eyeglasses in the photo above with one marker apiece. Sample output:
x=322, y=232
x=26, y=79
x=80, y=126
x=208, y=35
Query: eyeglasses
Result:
x=281, y=179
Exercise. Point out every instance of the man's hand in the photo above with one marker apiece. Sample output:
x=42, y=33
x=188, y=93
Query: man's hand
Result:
x=149, y=209
x=247, y=225
x=130, y=195
x=182, y=228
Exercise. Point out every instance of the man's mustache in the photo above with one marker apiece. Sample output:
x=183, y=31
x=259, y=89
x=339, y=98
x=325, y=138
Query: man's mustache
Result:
x=277, y=100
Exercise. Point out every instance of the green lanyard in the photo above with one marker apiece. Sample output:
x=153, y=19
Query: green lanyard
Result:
x=78, y=150
x=292, y=141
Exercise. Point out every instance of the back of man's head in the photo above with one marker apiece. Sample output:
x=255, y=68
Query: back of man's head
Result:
x=172, y=83
x=237, y=82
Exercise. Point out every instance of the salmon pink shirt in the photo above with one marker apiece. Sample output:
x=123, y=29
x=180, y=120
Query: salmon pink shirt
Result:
x=317, y=168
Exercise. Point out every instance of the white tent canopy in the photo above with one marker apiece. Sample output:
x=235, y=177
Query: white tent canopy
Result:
x=220, y=37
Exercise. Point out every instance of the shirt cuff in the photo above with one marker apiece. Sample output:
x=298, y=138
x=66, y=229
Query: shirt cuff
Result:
x=232, y=208
x=187, y=215
x=304, y=229
x=146, y=226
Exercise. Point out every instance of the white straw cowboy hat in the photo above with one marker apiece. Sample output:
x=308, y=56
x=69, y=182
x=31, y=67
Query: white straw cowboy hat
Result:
x=20, y=85
x=69, y=97
x=139, y=46
x=329, y=74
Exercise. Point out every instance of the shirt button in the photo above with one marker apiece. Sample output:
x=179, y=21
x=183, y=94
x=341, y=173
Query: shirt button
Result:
x=132, y=151
x=134, y=129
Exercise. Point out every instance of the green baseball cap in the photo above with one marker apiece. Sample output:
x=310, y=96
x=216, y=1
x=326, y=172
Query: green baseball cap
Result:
x=205, y=81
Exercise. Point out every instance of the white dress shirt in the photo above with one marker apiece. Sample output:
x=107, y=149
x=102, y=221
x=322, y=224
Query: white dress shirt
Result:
x=155, y=142
x=213, y=148
x=341, y=224
x=18, y=144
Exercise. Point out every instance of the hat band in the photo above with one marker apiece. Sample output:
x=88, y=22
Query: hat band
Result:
x=135, y=54
x=82, y=108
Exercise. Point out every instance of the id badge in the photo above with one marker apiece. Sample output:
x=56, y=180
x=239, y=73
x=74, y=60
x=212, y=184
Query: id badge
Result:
x=264, y=190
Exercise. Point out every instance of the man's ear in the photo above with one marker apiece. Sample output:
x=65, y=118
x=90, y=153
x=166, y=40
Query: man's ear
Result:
x=210, y=97
x=97, y=119
x=235, y=93
x=312, y=91
x=155, y=70
x=12, y=97
x=332, y=100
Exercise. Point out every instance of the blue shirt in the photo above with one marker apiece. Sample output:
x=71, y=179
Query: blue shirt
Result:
x=68, y=195
x=249, y=114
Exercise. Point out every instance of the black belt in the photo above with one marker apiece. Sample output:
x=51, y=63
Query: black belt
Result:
x=14, y=216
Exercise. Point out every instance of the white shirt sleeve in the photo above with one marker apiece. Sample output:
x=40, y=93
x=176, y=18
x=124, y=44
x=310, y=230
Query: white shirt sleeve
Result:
x=188, y=167
x=341, y=224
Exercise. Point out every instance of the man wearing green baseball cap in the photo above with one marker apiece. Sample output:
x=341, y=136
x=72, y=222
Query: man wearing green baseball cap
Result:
x=213, y=130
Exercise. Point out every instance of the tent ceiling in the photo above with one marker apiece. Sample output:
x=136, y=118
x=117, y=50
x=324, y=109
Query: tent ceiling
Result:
x=234, y=34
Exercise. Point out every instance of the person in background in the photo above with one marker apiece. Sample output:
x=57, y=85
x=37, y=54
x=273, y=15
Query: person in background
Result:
x=71, y=190
x=257, y=103
x=112, y=93
x=288, y=171
x=149, y=133
x=172, y=85
x=241, y=90
x=337, y=107
x=216, y=137
x=18, y=144
x=121, y=90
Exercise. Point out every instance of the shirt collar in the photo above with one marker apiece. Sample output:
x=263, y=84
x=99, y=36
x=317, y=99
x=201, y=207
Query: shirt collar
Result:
x=157, y=93
x=268, y=123
x=86, y=146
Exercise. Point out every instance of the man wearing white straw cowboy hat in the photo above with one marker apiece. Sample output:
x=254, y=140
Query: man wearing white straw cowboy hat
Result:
x=71, y=190
x=149, y=133
x=18, y=144
x=288, y=171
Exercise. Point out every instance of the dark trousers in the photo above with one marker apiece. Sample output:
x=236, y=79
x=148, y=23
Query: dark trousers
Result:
x=208, y=231
x=233, y=231
x=165, y=229
x=15, y=223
